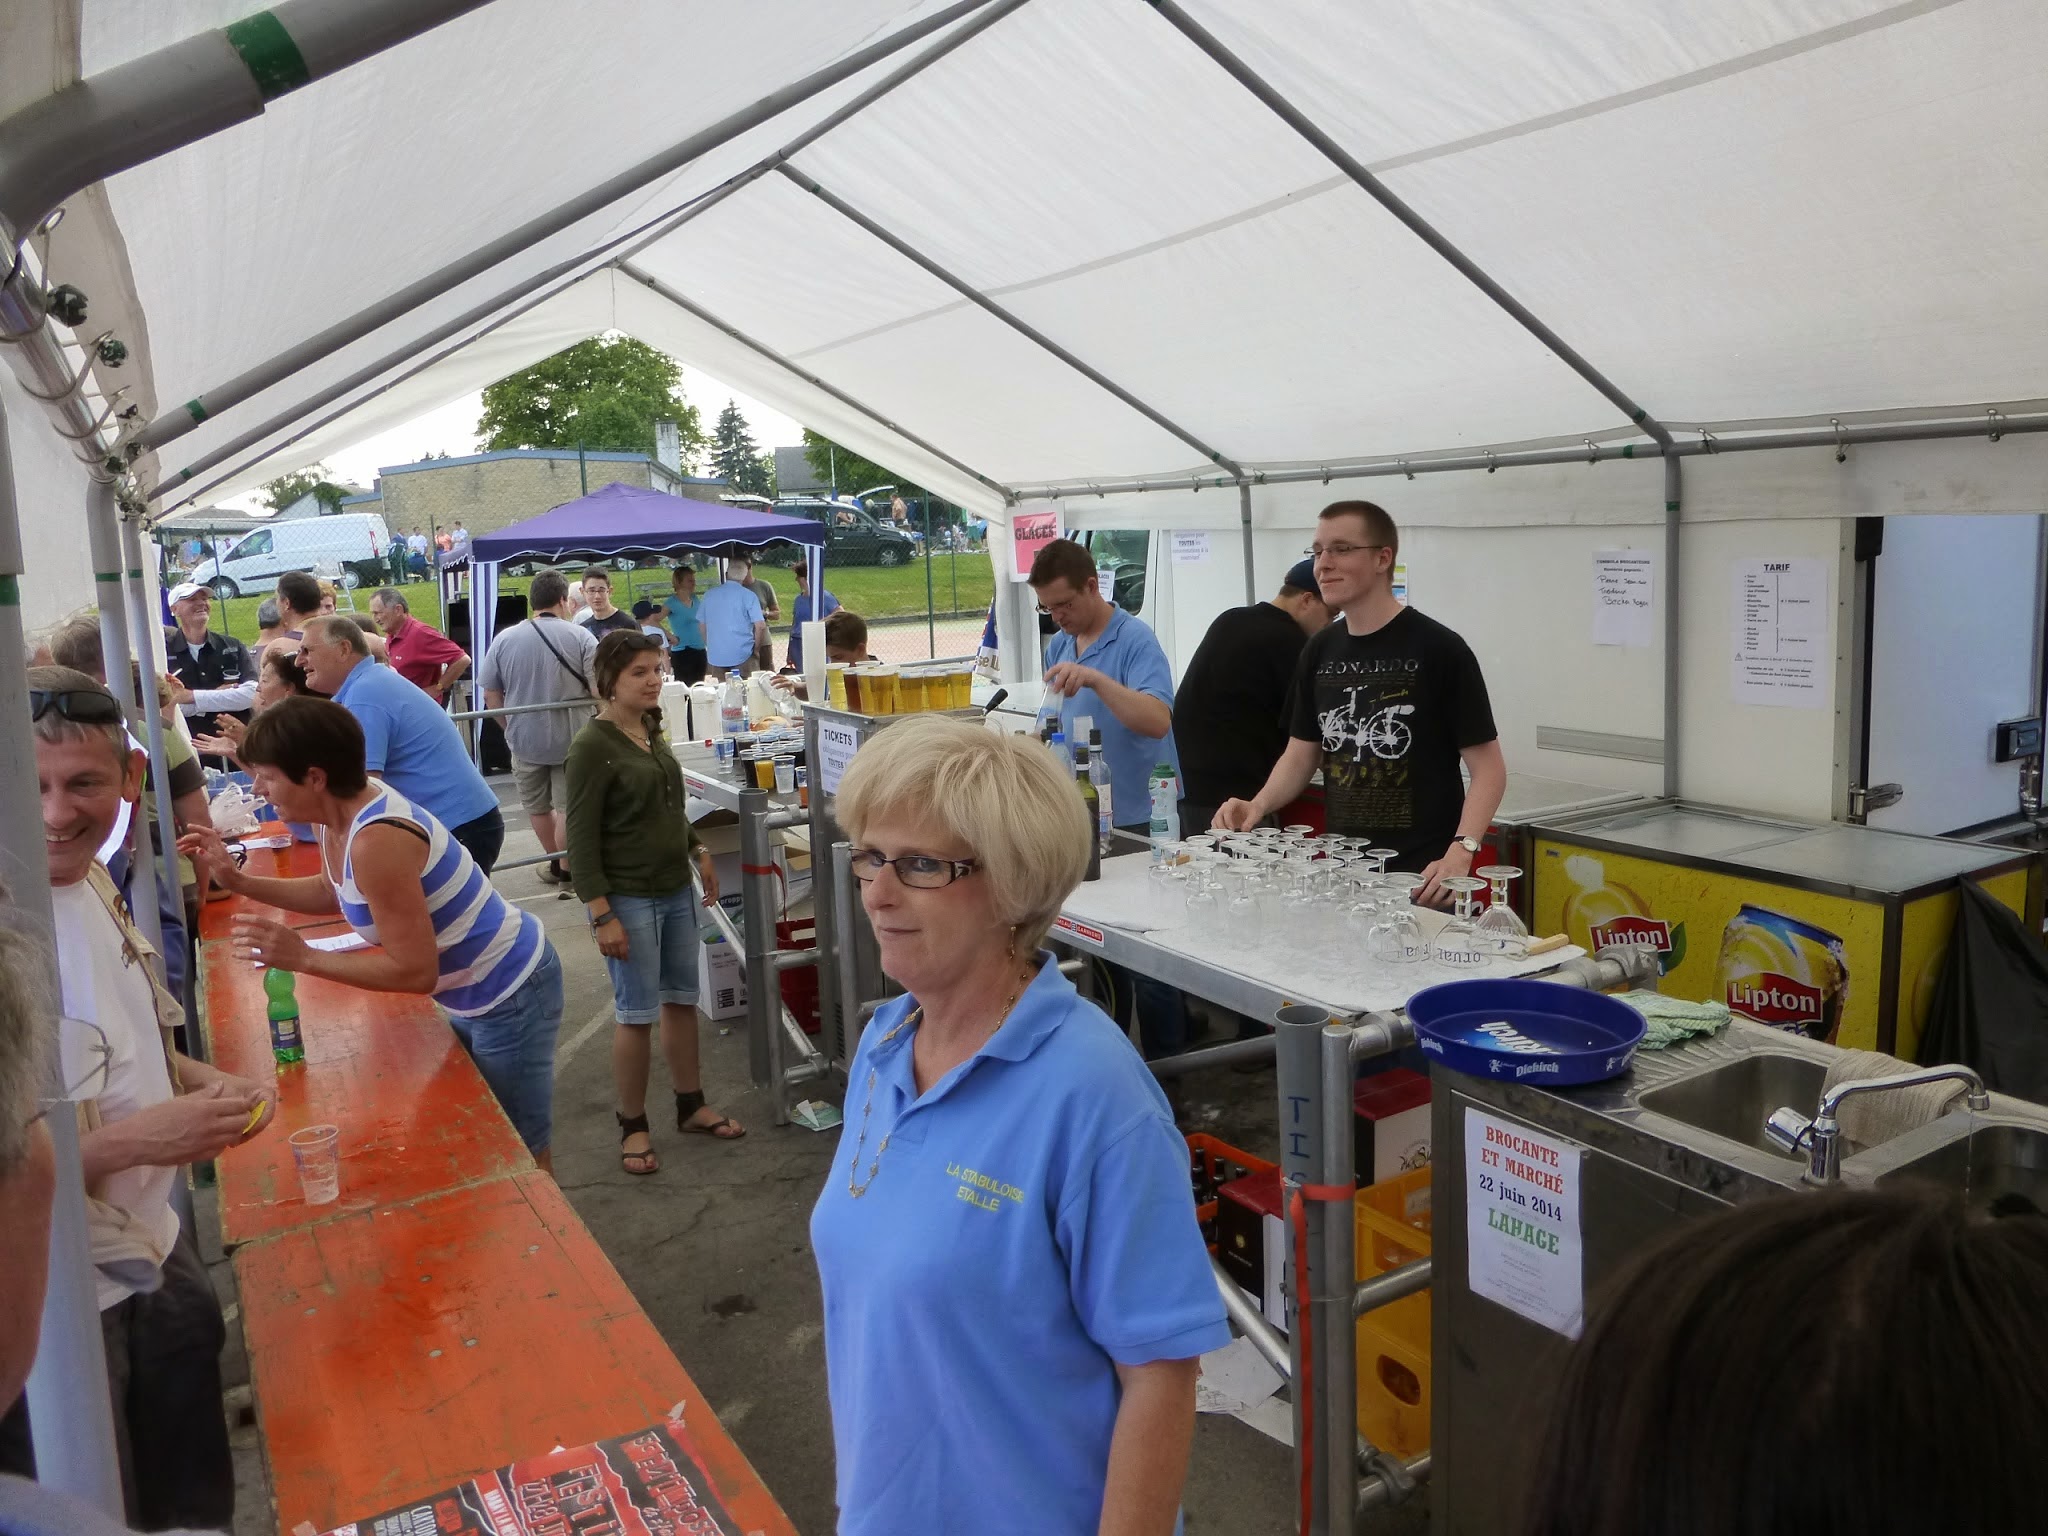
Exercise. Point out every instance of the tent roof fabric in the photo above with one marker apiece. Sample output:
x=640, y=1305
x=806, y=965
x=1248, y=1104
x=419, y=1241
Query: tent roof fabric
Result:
x=627, y=519
x=1745, y=214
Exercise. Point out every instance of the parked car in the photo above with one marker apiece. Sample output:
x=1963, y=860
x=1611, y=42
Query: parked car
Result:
x=853, y=535
x=1120, y=554
x=348, y=547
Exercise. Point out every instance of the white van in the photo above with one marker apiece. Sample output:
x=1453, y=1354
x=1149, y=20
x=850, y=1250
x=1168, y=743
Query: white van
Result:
x=350, y=549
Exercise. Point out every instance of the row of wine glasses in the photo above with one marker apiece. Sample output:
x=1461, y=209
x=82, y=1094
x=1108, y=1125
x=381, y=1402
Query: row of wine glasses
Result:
x=1290, y=892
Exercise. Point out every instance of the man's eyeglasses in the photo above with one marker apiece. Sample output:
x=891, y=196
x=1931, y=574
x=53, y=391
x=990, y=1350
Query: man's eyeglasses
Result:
x=920, y=871
x=1338, y=551
x=86, y=706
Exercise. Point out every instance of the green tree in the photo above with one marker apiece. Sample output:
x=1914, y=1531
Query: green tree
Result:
x=736, y=457
x=604, y=393
x=281, y=493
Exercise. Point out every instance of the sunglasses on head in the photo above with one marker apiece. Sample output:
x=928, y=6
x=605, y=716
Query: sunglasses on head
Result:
x=86, y=706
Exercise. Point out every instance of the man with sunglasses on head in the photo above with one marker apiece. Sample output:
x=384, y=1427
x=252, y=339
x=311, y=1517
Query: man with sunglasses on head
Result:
x=145, y=1111
x=1387, y=703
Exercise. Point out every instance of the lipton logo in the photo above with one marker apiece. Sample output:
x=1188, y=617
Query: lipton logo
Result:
x=1770, y=998
x=1648, y=932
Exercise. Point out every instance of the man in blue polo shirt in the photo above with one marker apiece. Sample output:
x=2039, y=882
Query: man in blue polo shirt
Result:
x=734, y=626
x=408, y=740
x=1107, y=666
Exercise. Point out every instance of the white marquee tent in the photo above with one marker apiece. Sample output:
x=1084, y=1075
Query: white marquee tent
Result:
x=1177, y=264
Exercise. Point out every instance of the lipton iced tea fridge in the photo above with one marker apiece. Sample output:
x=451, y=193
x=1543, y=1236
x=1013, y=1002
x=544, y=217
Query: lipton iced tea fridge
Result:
x=1834, y=932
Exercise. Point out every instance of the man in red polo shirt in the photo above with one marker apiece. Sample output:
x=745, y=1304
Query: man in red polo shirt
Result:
x=418, y=652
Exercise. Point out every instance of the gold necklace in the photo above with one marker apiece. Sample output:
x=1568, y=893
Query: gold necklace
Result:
x=909, y=1020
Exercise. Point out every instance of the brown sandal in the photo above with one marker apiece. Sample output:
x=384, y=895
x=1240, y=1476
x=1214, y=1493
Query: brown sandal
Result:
x=636, y=1162
x=723, y=1128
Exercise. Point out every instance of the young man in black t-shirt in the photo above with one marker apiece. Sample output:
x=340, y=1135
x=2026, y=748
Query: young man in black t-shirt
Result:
x=1231, y=710
x=1386, y=703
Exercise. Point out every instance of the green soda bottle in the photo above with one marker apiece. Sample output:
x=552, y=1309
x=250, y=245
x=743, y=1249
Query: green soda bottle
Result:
x=285, y=1045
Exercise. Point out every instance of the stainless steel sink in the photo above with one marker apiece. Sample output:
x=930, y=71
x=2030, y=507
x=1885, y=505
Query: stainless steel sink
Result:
x=1996, y=1162
x=1733, y=1101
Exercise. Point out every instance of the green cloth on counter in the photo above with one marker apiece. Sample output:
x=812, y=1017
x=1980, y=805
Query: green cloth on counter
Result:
x=1671, y=1020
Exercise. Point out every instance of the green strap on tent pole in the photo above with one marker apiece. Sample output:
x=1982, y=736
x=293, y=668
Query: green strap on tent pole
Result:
x=195, y=410
x=10, y=592
x=271, y=57
x=113, y=576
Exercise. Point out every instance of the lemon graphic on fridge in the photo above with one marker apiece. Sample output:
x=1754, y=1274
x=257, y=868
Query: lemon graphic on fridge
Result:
x=1598, y=913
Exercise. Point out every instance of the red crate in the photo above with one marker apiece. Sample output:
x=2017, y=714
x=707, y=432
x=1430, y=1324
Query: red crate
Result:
x=800, y=986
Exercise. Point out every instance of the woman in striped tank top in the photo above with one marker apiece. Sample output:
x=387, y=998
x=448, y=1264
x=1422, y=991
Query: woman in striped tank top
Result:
x=396, y=876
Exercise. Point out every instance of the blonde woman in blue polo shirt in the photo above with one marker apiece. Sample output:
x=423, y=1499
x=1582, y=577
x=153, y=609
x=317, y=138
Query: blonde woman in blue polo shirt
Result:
x=1016, y=1291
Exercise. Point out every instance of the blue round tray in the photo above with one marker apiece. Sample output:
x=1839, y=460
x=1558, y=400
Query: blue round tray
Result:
x=1526, y=1031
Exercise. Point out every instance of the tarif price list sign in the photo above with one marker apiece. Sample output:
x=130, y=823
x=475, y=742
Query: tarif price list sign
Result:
x=1522, y=1221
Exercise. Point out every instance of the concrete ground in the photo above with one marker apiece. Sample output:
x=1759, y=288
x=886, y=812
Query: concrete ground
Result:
x=716, y=1248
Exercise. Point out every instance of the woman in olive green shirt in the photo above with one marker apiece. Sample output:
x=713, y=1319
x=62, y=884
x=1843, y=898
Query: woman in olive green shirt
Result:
x=630, y=851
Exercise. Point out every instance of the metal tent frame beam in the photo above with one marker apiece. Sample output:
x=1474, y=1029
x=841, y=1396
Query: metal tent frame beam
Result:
x=662, y=290
x=179, y=420
x=578, y=266
x=1016, y=323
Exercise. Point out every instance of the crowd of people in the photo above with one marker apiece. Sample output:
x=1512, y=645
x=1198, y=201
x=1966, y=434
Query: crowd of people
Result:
x=1016, y=1293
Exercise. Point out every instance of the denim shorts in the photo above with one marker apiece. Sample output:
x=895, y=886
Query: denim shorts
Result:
x=661, y=955
x=513, y=1046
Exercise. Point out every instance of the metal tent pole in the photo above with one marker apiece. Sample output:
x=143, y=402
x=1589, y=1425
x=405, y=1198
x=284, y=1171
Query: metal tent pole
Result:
x=1673, y=496
x=1332, y=1285
x=1586, y=453
x=176, y=422
x=1374, y=188
x=1298, y=1059
x=655, y=285
x=103, y=535
x=142, y=626
x=1016, y=323
x=1244, y=518
x=67, y=1389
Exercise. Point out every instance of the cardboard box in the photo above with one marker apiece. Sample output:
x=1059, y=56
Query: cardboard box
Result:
x=1390, y=1125
x=721, y=977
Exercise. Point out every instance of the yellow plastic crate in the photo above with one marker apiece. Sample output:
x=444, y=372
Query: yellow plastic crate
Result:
x=1393, y=1228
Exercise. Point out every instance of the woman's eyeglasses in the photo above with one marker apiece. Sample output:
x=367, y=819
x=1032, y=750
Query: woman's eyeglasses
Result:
x=94, y=1083
x=86, y=706
x=920, y=871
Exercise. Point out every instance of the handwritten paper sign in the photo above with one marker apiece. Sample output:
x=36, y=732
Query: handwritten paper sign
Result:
x=1781, y=629
x=1522, y=1221
x=1029, y=533
x=836, y=745
x=1624, y=598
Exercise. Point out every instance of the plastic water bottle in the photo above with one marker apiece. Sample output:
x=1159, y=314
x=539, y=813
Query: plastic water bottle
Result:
x=732, y=707
x=1165, y=826
x=1059, y=750
x=281, y=988
x=1098, y=774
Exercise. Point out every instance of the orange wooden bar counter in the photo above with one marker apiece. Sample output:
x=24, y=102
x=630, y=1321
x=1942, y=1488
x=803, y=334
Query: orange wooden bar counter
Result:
x=450, y=1313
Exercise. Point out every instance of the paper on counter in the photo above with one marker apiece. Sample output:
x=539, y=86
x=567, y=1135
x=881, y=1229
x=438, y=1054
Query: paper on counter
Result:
x=336, y=943
x=1234, y=1378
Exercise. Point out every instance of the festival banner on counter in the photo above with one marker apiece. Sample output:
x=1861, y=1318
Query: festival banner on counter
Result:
x=645, y=1484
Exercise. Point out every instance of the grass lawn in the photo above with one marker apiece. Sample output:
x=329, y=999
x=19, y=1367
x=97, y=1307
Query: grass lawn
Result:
x=960, y=584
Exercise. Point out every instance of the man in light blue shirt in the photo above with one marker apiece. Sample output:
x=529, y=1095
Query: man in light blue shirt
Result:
x=408, y=740
x=806, y=611
x=1107, y=666
x=734, y=626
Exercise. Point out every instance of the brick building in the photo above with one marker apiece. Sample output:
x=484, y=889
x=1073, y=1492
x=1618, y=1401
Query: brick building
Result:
x=484, y=491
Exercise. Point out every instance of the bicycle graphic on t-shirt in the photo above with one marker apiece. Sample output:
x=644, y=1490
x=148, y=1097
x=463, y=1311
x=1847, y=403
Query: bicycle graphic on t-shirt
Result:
x=1384, y=733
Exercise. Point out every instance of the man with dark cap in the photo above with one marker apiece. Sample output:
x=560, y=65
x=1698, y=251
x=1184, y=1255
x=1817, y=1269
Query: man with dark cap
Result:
x=1230, y=712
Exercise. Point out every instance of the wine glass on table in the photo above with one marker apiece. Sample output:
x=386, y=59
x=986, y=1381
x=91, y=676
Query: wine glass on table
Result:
x=1498, y=927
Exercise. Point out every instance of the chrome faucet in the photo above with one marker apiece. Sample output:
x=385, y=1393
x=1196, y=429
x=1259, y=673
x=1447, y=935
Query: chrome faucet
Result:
x=1821, y=1136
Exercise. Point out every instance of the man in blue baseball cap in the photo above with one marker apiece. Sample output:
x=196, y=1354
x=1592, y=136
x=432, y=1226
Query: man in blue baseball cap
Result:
x=1230, y=714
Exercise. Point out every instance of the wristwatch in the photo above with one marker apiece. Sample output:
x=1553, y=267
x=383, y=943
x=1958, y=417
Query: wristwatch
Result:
x=1469, y=844
x=602, y=918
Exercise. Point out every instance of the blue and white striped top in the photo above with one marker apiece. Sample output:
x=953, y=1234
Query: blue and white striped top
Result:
x=486, y=946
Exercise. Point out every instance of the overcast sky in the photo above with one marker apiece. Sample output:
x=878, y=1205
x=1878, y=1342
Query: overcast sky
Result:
x=452, y=430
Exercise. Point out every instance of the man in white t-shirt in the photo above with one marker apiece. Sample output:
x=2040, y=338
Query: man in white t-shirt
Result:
x=150, y=1112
